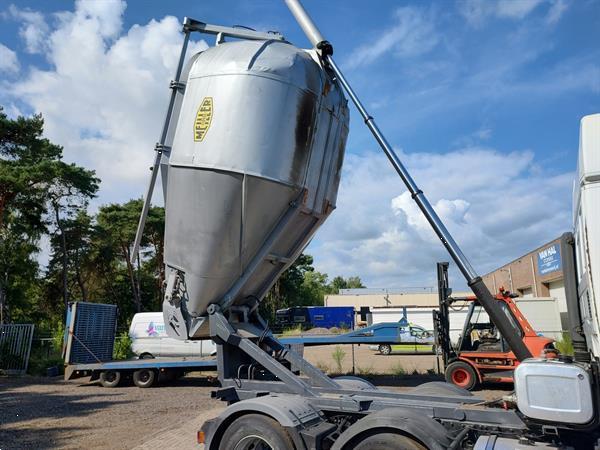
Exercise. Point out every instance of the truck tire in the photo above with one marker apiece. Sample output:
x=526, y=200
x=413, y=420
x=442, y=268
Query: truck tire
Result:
x=144, y=378
x=110, y=378
x=146, y=356
x=462, y=375
x=384, y=441
x=385, y=349
x=255, y=431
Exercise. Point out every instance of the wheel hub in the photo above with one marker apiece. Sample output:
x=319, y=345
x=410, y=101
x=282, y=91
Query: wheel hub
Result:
x=461, y=377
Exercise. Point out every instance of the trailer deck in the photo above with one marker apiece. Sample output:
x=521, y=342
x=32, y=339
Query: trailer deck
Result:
x=189, y=364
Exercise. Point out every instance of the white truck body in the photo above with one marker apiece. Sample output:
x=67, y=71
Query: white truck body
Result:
x=586, y=212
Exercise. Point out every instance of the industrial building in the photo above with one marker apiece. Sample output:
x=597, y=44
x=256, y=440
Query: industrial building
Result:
x=390, y=298
x=535, y=276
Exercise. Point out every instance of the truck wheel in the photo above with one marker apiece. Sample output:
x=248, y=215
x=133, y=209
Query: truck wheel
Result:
x=146, y=356
x=144, y=378
x=384, y=441
x=110, y=378
x=255, y=431
x=462, y=375
x=385, y=349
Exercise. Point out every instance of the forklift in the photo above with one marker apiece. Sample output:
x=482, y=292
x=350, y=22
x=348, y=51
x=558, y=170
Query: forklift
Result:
x=482, y=354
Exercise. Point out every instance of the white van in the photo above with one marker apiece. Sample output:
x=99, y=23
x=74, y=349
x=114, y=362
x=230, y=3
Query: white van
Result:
x=150, y=339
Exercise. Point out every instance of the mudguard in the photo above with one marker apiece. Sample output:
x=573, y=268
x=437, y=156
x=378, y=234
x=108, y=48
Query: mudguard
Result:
x=291, y=411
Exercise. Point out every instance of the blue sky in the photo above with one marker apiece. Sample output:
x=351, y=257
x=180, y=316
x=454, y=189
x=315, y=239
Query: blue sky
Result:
x=482, y=98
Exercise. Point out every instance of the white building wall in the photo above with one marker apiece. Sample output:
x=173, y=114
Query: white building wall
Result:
x=542, y=313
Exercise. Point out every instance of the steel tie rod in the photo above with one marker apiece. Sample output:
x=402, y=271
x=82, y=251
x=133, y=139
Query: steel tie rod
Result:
x=160, y=147
x=509, y=330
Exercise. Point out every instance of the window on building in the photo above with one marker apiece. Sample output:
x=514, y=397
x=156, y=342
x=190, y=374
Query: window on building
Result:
x=526, y=292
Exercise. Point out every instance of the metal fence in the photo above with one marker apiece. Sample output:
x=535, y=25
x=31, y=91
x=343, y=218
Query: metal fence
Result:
x=15, y=346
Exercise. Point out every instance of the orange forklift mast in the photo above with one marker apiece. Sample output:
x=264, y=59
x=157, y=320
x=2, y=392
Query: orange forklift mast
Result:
x=481, y=354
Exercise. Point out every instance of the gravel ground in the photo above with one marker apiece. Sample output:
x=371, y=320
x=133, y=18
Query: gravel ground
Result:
x=40, y=413
x=369, y=361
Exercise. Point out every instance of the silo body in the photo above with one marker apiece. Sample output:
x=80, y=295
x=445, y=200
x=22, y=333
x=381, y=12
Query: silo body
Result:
x=253, y=171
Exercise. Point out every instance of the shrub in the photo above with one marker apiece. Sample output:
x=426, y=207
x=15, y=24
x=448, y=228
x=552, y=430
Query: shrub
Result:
x=338, y=356
x=565, y=345
x=58, y=335
x=39, y=362
x=122, y=349
x=7, y=358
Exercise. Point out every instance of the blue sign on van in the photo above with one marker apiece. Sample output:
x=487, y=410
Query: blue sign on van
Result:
x=549, y=260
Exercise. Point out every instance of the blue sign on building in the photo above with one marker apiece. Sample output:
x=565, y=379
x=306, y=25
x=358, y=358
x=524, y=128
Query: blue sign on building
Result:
x=549, y=260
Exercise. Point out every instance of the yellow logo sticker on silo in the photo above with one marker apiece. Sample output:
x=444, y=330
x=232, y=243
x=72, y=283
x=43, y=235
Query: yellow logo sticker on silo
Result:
x=203, y=119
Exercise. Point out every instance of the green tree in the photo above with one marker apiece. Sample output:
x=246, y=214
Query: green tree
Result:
x=340, y=282
x=287, y=290
x=302, y=285
x=69, y=196
x=314, y=288
x=116, y=227
x=71, y=267
x=33, y=181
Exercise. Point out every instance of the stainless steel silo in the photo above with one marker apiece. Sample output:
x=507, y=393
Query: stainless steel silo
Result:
x=253, y=171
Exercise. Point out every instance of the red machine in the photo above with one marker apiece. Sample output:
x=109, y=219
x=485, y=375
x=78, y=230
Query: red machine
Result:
x=482, y=354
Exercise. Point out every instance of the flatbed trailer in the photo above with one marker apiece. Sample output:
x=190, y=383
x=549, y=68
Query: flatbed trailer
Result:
x=88, y=350
x=145, y=372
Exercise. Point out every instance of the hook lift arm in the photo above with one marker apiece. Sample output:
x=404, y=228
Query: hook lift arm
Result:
x=507, y=328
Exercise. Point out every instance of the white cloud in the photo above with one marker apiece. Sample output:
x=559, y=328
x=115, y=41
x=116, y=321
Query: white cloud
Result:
x=413, y=34
x=496, y=205
x=556, y=11
x=33, y=30
x=105, y=95
x=516, y=9
x=8, y=60
x=477, y=12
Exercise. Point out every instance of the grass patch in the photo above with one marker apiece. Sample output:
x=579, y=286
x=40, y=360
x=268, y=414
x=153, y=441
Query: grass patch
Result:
x=322, y=366
x=398, y=370
x=294, y=331
x=366, y=371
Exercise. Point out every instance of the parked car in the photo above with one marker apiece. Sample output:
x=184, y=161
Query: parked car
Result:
x=150, y=339
x=413, y=339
